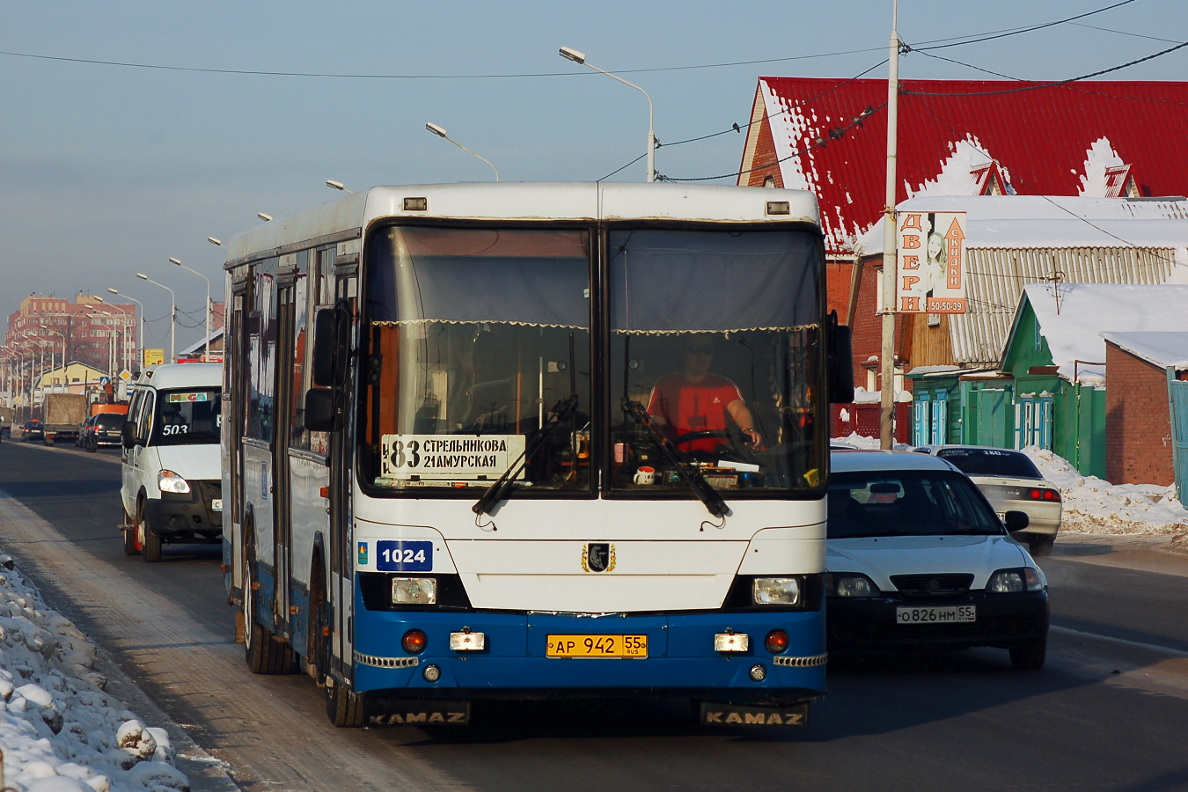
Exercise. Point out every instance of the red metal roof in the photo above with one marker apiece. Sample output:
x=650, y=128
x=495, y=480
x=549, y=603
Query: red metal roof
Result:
x=1039, y=138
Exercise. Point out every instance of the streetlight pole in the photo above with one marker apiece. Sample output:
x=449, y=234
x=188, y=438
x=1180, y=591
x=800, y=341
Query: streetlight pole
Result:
x=209, y=307
x=47, y=329
x=580, y=58
x=109, y=332
x=172, y=315
x=441, y=133
x=140, y=336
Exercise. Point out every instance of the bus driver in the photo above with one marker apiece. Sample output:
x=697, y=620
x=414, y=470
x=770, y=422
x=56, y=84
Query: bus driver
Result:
x=695, y=399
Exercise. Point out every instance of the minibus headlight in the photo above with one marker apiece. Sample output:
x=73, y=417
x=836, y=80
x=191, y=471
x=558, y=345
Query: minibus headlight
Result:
x=776, y=591
x=168, y=481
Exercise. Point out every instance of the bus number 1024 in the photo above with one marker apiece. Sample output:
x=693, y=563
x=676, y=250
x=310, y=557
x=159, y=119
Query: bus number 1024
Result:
x=398, y=556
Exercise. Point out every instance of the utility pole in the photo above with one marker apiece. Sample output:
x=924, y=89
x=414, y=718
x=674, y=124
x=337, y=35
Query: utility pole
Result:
x=887, y=361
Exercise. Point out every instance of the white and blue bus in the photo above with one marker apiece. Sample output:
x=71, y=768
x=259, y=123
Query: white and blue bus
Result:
x=532, y=441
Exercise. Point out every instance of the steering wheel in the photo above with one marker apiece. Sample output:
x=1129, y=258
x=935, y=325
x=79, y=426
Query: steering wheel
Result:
x=689, y=437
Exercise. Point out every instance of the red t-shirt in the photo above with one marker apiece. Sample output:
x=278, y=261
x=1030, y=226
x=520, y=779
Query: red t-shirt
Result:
x=693, y=406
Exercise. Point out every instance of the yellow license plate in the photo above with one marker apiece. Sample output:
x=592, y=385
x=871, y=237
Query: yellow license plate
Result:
x=614, y=646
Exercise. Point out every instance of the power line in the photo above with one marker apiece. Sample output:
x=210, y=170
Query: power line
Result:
x=1035, y=86
x=1018, y=31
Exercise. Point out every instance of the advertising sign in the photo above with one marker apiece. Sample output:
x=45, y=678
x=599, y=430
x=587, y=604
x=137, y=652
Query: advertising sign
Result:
x=930, y=272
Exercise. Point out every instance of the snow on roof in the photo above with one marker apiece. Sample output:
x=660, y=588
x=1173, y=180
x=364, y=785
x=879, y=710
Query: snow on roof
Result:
x=1162, y=348
x=1049, y=221
x=1073, y=316
x=829, y=135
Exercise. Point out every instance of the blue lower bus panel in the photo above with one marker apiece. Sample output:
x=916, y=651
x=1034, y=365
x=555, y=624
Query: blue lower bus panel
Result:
x=548, y=655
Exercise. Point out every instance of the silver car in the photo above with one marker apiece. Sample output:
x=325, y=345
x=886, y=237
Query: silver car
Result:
x=1010, y=481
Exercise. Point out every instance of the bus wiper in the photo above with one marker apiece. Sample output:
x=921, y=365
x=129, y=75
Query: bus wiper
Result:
x=704, y=491
x=499, y=490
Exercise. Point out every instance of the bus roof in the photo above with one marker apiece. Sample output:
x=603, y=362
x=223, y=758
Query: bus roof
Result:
x=519, y=201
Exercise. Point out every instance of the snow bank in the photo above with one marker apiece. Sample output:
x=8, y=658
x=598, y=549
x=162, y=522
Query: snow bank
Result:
x=59, y=731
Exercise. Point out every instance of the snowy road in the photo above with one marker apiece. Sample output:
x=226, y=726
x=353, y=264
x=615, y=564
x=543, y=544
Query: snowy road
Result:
x=1091, y=720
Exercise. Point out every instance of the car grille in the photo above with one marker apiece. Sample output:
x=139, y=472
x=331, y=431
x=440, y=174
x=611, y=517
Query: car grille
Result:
x=932, y=585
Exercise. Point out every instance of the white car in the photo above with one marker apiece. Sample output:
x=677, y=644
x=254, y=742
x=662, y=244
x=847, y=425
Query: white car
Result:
x=917, y=559
x=1010, y=480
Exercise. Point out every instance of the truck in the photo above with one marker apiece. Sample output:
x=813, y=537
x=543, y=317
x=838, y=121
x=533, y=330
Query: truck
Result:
x=5, y=422
x=64, y=414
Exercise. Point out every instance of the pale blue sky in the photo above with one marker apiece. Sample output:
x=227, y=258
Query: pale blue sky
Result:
x=107, y=170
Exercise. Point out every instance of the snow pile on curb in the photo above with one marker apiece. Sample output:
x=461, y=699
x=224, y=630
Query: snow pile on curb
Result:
x=59, y=731
x=1092, y=505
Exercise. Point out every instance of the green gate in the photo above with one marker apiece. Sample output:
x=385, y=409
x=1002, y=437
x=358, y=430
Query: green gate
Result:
x=1177, y=392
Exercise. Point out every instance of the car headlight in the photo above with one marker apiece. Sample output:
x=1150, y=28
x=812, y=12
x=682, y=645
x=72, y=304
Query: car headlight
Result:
x=1014, y=581
x=850, y=584
x=168, y=481
x=776, y=591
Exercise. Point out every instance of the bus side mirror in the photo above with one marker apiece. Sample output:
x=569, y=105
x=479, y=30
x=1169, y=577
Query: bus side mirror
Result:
x=322, y=413
x=331, y=350
x=839, y=359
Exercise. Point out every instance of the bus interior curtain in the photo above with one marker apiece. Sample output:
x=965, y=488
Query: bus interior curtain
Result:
x=712, y=282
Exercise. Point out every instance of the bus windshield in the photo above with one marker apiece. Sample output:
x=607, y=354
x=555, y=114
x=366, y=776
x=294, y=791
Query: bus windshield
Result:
x=714, y=360
x=479, y=345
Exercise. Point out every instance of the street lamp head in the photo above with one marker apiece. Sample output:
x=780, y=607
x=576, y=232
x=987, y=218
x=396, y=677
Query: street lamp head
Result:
x=113, y=291
x=172, y=260
x=569, y=53
x=215, y=241
x=142, y=276
x=337, y=185
x=437, y=130
x=264, y=217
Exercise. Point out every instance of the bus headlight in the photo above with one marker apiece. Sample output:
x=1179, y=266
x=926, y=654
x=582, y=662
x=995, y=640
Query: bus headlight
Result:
x=414, y=591
x=776, y=591
x=168, y=481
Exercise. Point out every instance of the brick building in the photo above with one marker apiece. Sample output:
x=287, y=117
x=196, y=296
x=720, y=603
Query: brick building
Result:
x=1139, y=432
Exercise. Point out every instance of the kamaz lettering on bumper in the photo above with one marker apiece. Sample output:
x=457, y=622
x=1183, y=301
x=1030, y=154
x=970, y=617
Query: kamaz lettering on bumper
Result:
x=715, y=714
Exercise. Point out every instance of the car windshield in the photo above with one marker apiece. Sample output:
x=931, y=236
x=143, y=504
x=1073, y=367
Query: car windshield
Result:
x=991, y=462
x=907, y=503
x=110, y=420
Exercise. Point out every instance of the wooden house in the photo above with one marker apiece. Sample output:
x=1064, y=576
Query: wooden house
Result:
x=1054, y=361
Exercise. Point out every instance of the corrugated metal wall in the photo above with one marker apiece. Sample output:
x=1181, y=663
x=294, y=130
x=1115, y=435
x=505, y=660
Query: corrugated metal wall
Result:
x=997, y=277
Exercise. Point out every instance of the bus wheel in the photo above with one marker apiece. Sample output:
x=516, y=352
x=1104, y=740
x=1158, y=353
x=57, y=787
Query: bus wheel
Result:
x=343, y=705
x=261, y=651
x=151, y=542
x=132, y=545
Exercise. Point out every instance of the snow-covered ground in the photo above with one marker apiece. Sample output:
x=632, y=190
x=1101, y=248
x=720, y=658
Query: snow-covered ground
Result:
x=60, y=732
